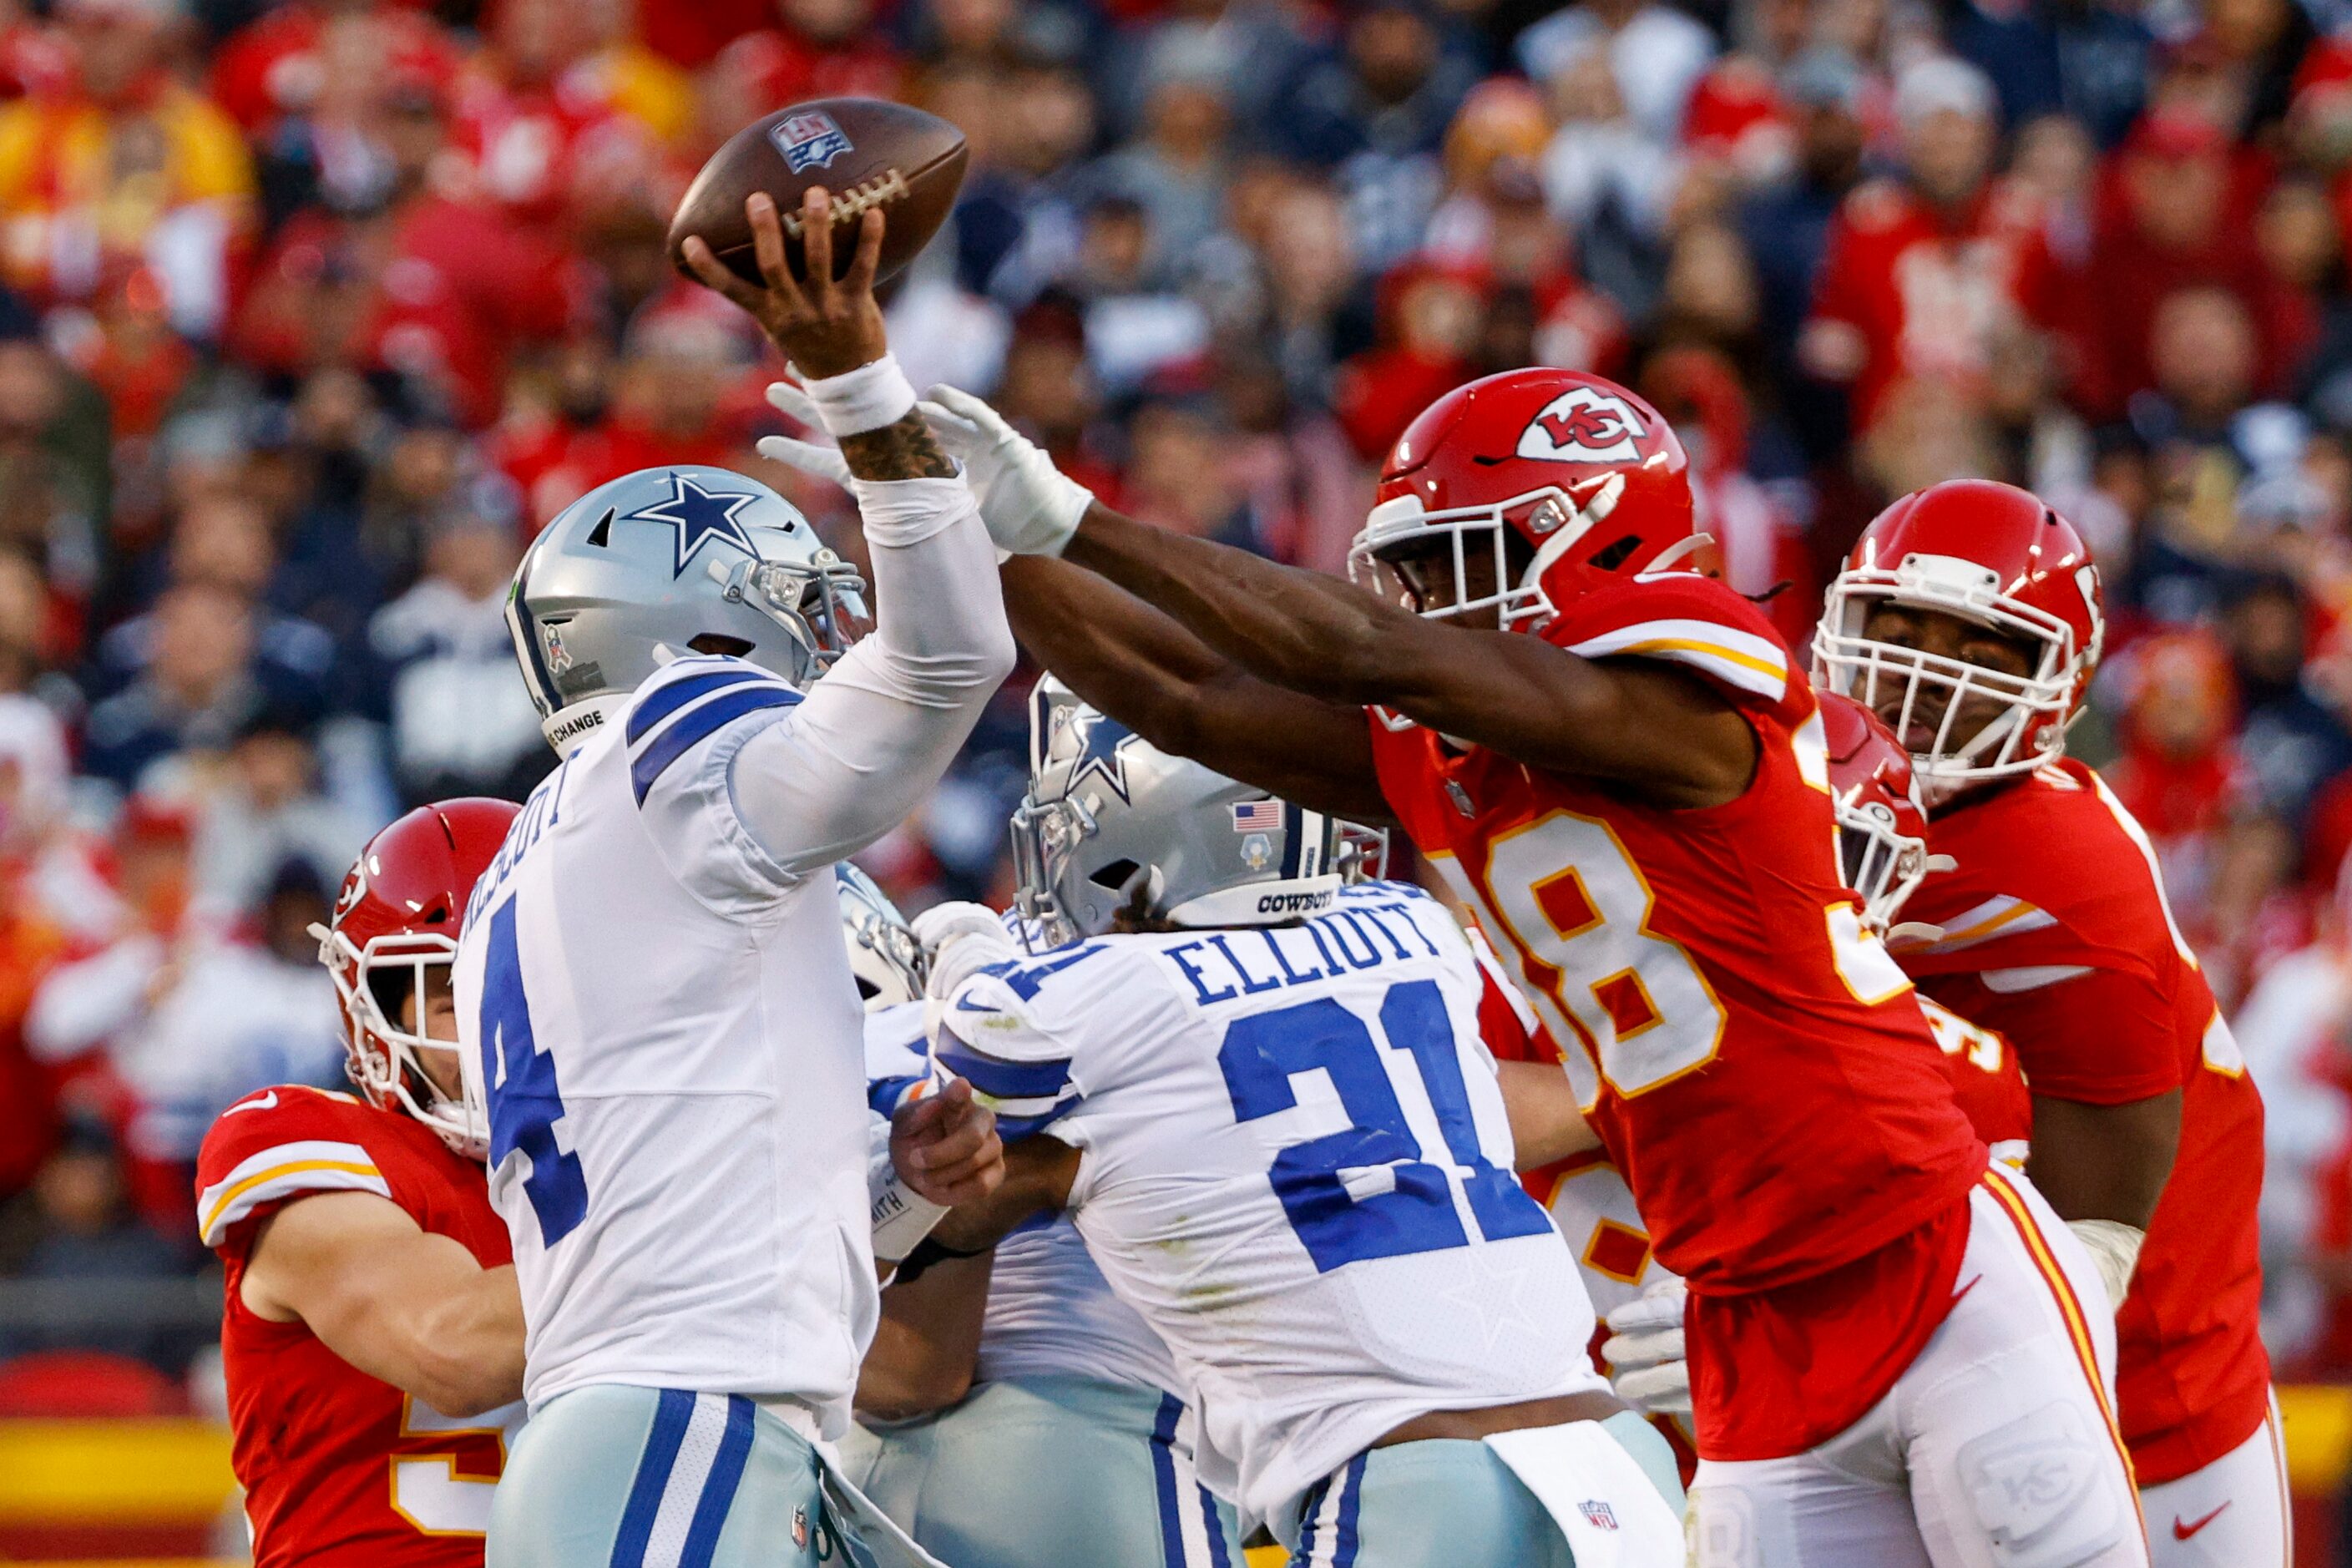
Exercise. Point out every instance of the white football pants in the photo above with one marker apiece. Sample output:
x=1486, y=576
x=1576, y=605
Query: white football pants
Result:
x=1997, y=1448
x=2233, y=1513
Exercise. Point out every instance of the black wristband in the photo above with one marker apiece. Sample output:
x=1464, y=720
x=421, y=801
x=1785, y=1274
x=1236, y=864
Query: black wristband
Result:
x=927, y=1252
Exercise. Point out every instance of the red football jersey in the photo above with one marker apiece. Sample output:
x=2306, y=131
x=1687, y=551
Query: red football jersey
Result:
x=1753, y=1060
x=1986, y=1079
x=339, y=1468
x=2056, y=934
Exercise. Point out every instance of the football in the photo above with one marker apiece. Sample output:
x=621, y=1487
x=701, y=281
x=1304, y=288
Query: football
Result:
x=866, y=152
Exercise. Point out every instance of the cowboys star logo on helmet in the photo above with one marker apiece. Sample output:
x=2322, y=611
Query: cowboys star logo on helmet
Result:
x=1583, y=424
x=698, y=514
x=1100, y=755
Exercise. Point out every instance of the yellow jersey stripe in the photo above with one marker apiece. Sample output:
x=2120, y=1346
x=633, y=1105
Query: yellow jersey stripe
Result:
x=220, y=1205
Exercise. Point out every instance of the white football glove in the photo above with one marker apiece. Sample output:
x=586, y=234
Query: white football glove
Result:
x=1645, y=1350
x=1029, y=506
x=961, y=939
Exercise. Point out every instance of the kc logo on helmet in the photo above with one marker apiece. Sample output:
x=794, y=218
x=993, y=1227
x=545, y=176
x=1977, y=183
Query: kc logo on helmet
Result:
x=1582, y=426
x=810, y=141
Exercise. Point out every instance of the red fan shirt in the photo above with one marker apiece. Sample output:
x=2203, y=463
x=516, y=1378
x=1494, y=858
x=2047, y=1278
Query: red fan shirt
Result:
x=2056, y=934
x=339, y=1468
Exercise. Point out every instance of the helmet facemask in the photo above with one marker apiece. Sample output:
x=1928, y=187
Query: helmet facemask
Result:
x=385, y=1060
x=1881, y=862
x=1904, y=686
x=884, y=957
x=1494, y=567
x=821, y=605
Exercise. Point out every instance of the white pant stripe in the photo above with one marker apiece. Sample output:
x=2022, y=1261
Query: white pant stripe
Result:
x=696, y=1451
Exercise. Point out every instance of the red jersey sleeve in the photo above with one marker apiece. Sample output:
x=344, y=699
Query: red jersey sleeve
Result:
x=2103, y=1037
x=1693, y=622
x=268, y=1148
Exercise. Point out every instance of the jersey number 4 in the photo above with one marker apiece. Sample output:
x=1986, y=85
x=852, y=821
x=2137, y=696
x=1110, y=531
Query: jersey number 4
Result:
x=526, y=1101
x=1374, y=1190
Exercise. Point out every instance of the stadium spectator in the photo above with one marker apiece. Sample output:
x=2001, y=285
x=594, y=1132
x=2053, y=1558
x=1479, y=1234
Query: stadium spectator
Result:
x=459, y=724
x=87, y=1234
x=123, y=165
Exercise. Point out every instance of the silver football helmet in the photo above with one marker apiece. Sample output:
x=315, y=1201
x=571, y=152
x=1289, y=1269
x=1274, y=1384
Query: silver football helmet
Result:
x=1111, y=821
x=666, y=561
x=883, y=953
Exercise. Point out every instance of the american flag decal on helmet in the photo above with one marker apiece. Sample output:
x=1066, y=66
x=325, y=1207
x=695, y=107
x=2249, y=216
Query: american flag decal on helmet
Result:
x=1257, y=816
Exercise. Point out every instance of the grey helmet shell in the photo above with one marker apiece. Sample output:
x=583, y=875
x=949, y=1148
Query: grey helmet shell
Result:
x=884, y=954
x=1111, y=820
x=632, y=573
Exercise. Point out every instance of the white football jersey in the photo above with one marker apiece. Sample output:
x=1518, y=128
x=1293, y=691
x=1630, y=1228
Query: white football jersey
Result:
x=1050, y=1311
x=1297, y=1167
x=664, y=1025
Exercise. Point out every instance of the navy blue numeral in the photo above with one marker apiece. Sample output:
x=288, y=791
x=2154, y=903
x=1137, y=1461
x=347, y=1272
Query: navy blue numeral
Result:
x=1413, y=1018
x=525, y=1105
x=1260, y=1054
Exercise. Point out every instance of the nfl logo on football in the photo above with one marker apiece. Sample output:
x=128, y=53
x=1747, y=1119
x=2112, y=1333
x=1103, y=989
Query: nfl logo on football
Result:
x=808, y=142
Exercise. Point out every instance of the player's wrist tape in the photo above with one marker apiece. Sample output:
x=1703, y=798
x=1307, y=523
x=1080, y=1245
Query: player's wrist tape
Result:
x=902, y=1217
x=2115, y=1248
x=866, y=398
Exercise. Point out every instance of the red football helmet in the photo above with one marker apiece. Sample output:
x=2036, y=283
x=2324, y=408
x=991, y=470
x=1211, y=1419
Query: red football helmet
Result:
x=397, y=916
x=1559, y=480
x=1993, y=555
x=1882, y=827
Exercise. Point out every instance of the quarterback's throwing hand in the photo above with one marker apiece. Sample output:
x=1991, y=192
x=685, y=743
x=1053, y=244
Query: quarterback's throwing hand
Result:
x=946, y=1148
x=826, y=328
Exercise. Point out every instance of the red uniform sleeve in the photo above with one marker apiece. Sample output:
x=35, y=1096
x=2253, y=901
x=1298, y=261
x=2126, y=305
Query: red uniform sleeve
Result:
x=1693, y=622
x=274, y=1146
x=2103, y=1037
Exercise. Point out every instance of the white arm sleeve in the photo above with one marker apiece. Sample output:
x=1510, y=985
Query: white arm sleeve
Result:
x=879, y=729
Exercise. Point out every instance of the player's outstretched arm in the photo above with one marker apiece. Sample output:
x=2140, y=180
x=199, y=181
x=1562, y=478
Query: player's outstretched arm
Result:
x=927, y=1342
x=1631, y=720
x=878, y=730
x=1132, y=662
x=391, y=1298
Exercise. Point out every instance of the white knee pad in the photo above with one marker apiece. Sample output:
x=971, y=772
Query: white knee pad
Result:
x=2041, y=1487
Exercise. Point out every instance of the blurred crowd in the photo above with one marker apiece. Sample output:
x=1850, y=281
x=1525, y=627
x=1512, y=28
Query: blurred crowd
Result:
x=311, y=312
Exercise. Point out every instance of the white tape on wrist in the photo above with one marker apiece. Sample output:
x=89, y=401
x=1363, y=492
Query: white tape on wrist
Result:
x=2115, y=1248
x=902, y=1217
x=866, y=398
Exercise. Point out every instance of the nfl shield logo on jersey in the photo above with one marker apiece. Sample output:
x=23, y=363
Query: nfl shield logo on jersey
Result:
x=1598, y=1514
x=810, y=141
x=1583, y=424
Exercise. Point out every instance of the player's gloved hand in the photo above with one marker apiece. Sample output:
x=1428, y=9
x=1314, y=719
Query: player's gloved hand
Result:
x=1645, y=1354
x=1029, y=506
x=961, y=939
x=945, y=1147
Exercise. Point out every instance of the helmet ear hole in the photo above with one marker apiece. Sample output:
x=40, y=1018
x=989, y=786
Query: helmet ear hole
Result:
x=1611, y=556
x=719, y=643
x=1114, y=876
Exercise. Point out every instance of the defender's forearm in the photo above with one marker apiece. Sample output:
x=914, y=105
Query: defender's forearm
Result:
x=1306, y=630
